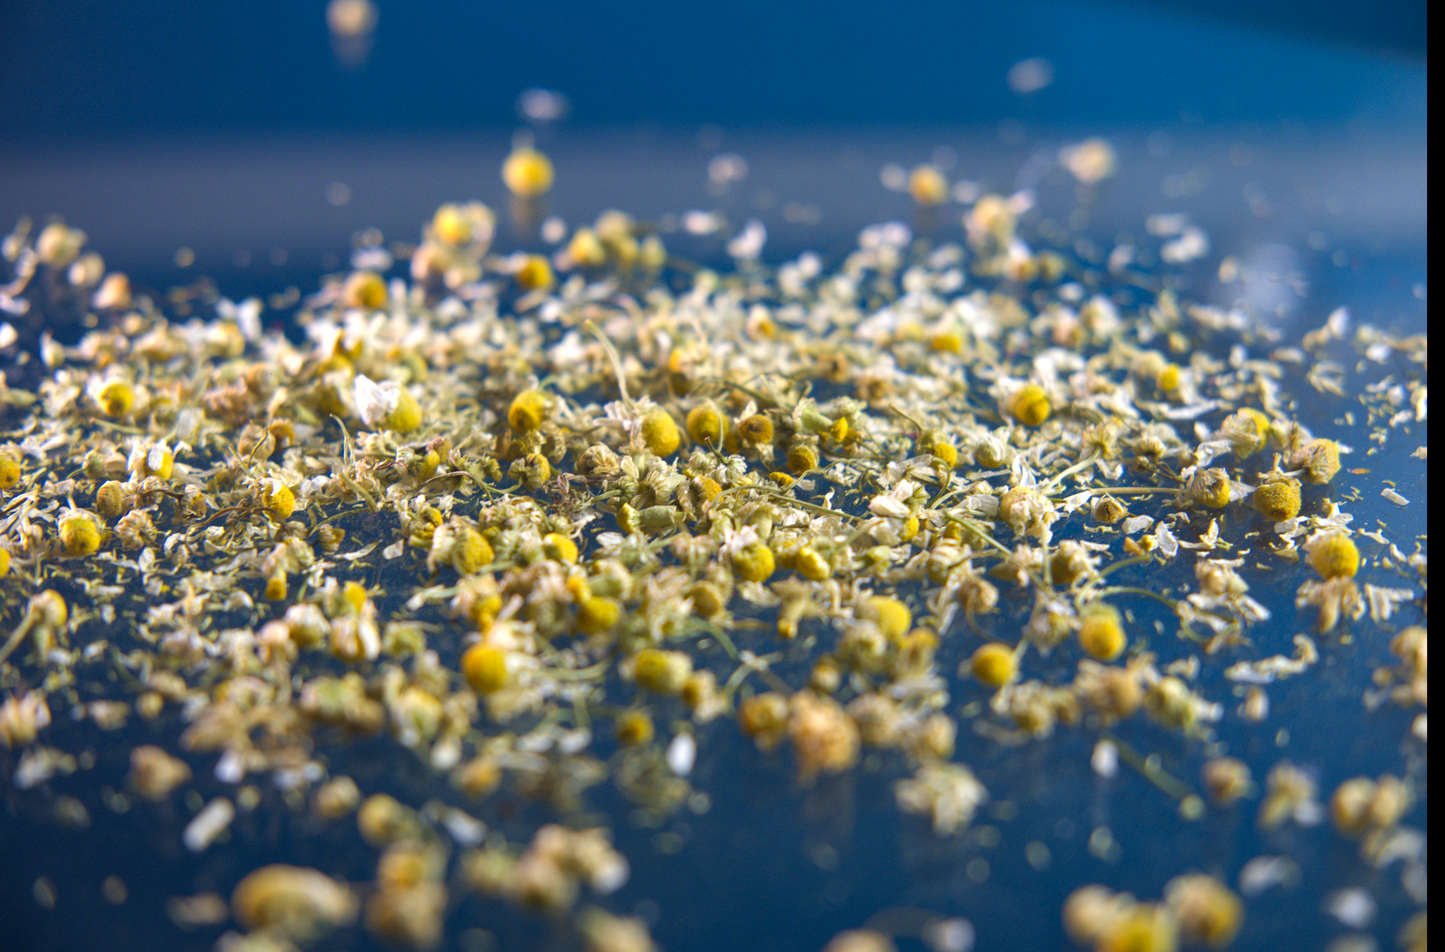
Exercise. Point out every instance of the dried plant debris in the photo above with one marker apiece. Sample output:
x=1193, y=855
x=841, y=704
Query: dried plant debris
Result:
x=546, y=522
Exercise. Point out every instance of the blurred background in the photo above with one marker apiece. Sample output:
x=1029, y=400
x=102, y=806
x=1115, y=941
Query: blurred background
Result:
x=262, y=135
x=75, y=71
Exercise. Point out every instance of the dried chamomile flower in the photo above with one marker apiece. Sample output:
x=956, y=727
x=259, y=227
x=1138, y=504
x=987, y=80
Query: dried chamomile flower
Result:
x=1170, y=701
x=948, y=794
x=934, y=443
x=1290, y=795
x=1027, y=512
x=927, y=185
x=1090, y=910
x=598, y=615
x=1209, y=488
x=1319, y=459
x=890, y=614
x=634, y=729
x=605, y=932
x=755, y=430
x=1208, y=912
x=155, y=774
x=764, y=717
x=386, y=405
x=824, y=738
x=1278, y=499
x=58, y=245
x=1360, y=805
x=1247, y=430
x=663, y=672
x=112, y=499
x=860, y=940
x=151, y=459
x=585, y=250
x=1115, y=693
x=1140, y=927
x=277, y=498
x=452, y=225
x=1108, y=510
x=1227, y=779
x=294, y=902
x=116, y=398
x=752, y=560
x=808, y=563
x=80, y=533
x=533, y=470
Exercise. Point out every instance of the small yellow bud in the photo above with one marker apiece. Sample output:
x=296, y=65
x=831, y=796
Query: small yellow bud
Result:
x=598, y=615
x=559, y=547
x=946, y=342
x=1101, y=632
x=472, y=551
x=10, y=472
x=756, y=429
x=528, y=410
x=754, y=562
x=994, y=664
x=485, y=668
x=527, y=173
x=364, y=289
x=116, y=398
x=585, y=249
x=802, y=458
x=928, y=186
x=706, y=425
x=406, y=415
x=707, y=601
x=634, y=729
x=659, y=433
x=1168, y=379
x=279, y=500
x=80, y=533
x=663, y=672
x=1334, y=555
x=811, y=565
x=452, y=226
x=354, y=594
x=1278, y=501
x=535, y=274
x=1030, y=406
x=893, y=617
